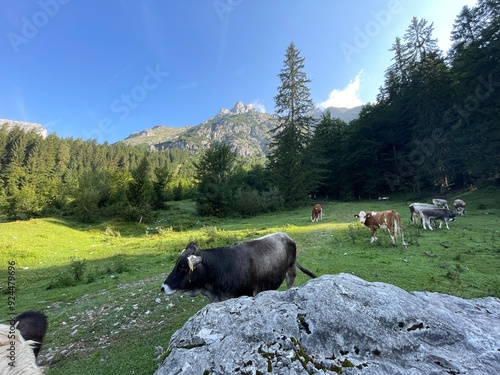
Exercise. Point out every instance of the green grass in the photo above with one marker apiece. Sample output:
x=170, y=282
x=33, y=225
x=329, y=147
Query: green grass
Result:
x=100, y=284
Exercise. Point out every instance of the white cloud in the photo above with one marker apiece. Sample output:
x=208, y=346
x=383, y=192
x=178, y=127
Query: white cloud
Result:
x=346, y=98
x=258, y=106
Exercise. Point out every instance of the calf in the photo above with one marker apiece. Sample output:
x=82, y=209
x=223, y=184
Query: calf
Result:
x=459, y=206
x=317, y=213
x=415, y=210
x=242, y=269
x=389, y=220
x=441, y=214
x=440, y=203
x=20, y=342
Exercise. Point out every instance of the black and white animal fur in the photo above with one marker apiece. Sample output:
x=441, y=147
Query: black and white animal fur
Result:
x=20, y=342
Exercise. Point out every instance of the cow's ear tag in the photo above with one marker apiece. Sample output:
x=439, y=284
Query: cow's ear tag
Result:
x=193, y=261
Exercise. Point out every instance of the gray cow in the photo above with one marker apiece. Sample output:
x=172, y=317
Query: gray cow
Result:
x=441, y=203
x=441, y=214
x=242, y=269
x=415, y=209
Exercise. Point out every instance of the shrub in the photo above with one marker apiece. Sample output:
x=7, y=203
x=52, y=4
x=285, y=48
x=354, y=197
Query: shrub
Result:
x=272, y=200
x=77, y=269
x=73, y=275
x=214, y=237
x=248, y=202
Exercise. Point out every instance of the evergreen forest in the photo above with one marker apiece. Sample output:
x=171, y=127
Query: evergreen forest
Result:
x=433, y=129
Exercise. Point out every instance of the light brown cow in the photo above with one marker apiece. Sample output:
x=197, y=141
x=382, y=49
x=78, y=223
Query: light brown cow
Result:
x=389, y=220
x=317, y=213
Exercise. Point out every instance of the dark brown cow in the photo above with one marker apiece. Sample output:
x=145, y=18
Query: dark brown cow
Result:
x=317, y=213
x=389, y=220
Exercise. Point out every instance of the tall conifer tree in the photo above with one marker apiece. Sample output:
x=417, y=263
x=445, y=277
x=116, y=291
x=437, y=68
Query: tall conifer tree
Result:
x=292, y=135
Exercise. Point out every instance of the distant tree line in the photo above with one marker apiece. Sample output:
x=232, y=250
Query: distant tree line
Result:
x=87, y=180
x=434, y=127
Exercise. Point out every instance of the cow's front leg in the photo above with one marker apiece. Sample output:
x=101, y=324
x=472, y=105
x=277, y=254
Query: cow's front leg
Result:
x=429, y=225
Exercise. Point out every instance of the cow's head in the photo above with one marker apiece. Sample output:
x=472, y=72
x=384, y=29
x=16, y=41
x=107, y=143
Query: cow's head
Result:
x=187, y=275
x=362, y=216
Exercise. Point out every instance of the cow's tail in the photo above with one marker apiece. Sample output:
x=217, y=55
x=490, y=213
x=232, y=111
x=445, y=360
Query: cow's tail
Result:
x=306, y=271
x=398, y=228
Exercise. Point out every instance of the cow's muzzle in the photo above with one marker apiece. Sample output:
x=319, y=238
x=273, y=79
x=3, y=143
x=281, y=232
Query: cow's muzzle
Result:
x=166, y=289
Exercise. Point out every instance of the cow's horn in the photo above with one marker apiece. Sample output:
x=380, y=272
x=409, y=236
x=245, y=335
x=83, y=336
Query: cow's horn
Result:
x=193, y=261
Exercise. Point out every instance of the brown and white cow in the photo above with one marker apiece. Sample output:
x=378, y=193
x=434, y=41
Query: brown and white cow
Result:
x=459, y=206
x=317, y=213
x=389, y=220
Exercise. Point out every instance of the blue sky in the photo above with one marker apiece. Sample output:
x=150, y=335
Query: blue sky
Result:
x=105, y=69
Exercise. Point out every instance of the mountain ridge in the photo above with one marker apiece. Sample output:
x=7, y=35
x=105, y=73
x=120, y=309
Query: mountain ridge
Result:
x=24, y=125
x=243, y=127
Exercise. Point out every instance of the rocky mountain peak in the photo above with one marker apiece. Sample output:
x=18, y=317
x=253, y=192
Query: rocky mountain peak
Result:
x=238, y=109
x=26, y=126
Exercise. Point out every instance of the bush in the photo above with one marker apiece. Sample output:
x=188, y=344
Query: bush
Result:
x=215, y=237
x=248, y=202
x=71, y=276
x=272, y=200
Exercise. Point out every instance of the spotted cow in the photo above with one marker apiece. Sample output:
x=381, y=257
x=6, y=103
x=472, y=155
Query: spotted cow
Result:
x=389, y=220
x=317, y=213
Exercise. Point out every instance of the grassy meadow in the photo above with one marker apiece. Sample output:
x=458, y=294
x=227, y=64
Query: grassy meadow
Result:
x=100, y=284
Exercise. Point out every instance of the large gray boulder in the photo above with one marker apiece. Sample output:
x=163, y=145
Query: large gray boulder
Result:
x=340, y=324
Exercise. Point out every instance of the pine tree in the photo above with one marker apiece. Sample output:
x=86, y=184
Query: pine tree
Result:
x=141, y=187
x=214, y=173
x=476, y=68
x=293, y=133
x=327, y=155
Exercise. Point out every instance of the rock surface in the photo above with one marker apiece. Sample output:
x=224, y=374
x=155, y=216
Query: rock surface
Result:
x=340, y=324
x=26, y=126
